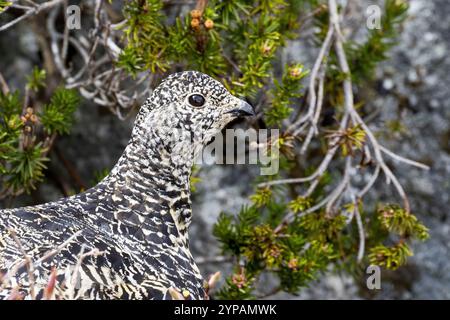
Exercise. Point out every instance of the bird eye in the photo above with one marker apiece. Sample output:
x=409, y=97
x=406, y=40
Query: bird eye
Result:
x=196, y=100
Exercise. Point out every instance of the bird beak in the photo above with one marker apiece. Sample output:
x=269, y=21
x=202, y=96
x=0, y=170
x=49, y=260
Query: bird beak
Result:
x=243, y=110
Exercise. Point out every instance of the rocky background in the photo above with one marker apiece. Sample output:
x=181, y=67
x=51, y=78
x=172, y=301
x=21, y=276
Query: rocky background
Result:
x=412, y=88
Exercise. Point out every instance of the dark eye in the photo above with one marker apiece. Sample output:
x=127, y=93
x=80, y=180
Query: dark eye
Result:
x=196, y=100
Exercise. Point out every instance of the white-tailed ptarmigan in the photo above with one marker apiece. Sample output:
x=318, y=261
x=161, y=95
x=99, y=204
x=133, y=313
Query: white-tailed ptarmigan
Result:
x=138, y=216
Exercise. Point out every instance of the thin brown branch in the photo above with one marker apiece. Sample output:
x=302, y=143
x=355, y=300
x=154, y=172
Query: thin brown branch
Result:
x=70, y=169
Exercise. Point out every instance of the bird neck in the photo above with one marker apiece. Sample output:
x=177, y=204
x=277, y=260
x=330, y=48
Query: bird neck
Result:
x=155, y=172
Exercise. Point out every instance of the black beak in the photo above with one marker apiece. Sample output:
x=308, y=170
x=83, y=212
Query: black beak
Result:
x=244, y=110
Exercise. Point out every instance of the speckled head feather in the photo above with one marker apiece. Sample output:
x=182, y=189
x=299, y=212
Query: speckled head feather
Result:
x=169, y=108
x=138, y=216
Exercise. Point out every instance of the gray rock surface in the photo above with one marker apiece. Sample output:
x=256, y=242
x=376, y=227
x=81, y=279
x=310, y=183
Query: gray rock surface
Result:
x=420, y=65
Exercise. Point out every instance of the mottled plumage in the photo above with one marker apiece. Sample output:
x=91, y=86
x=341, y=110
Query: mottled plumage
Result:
x=139, y=214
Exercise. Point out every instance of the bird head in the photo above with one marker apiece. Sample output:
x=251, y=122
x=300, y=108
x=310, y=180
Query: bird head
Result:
x=193, y=104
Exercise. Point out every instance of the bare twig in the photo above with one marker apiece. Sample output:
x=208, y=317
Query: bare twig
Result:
x=350, y=116
x=331, y=198
x=340, y=189
x=404, y=160
x=333, y=147
x=371, y=182
x=313, y=129
x=295, y=127
x=74, y=277
x=28, y=262
x=38, y=262
x=32, y=11
x=362, y=235
x=58, y=249
x=65, y=44
x=348, y=98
